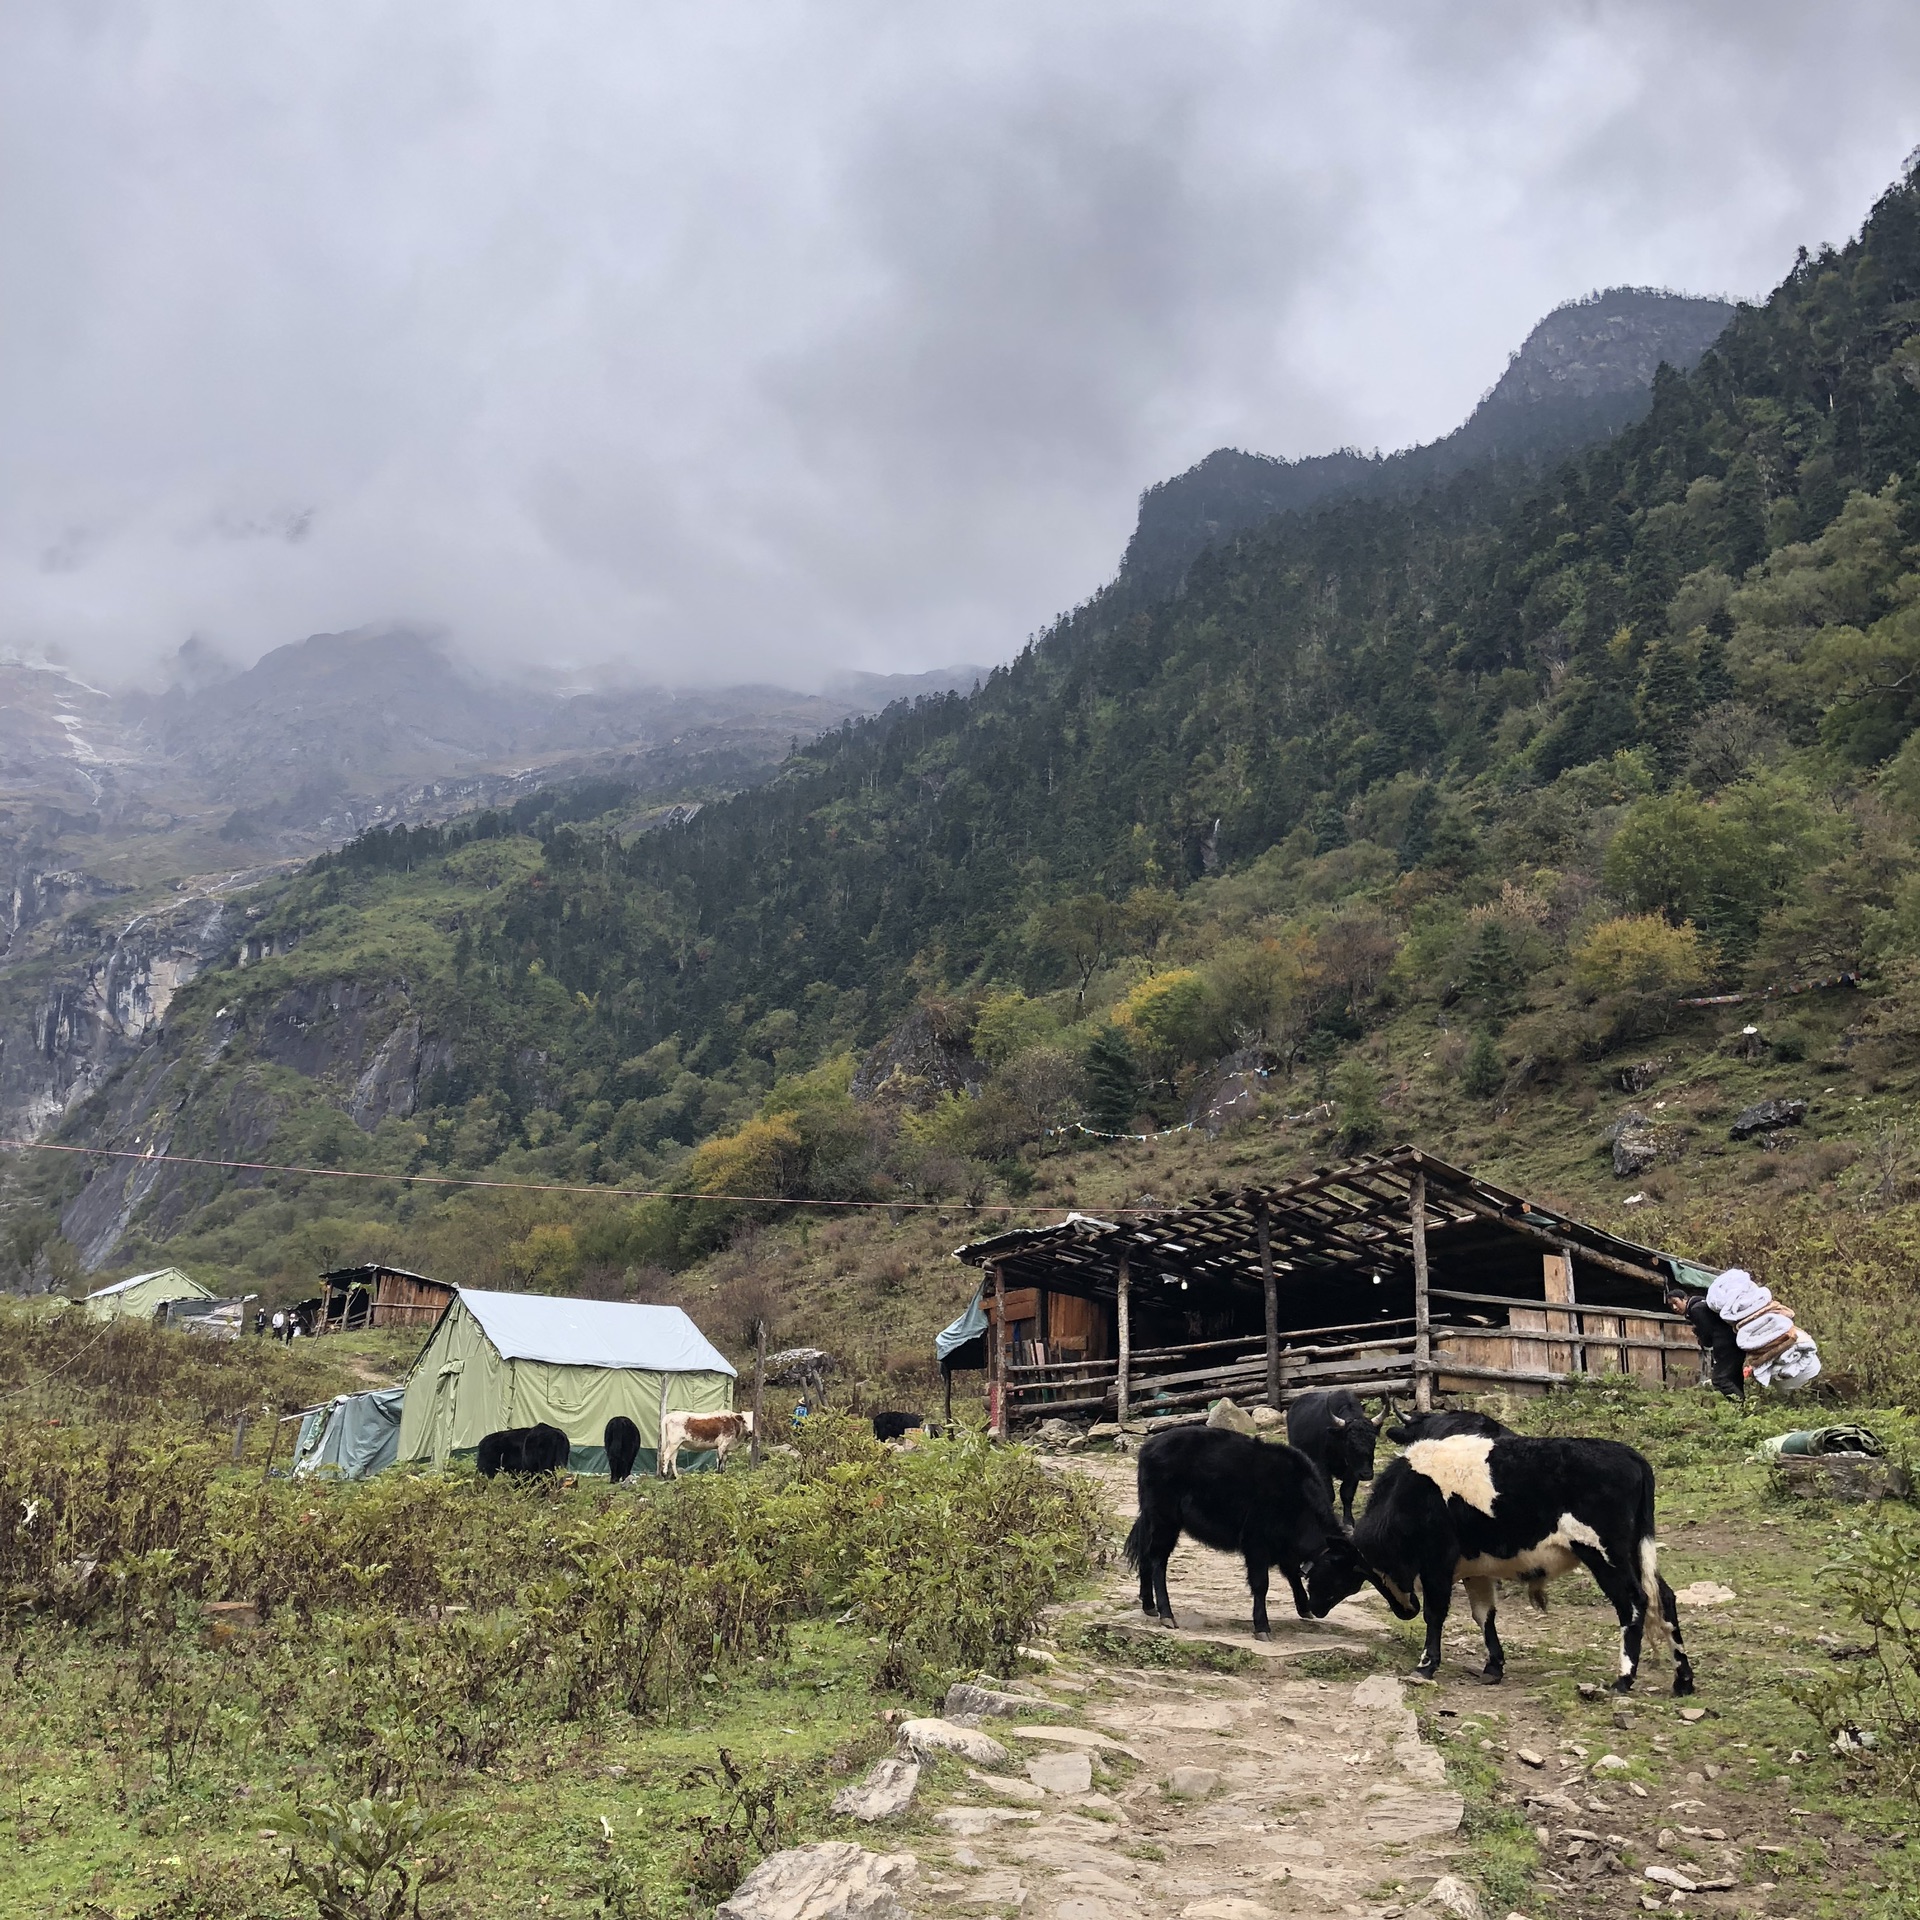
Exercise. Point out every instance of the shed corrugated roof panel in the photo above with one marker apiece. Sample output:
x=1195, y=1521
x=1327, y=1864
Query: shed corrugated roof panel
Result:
x=593, y=1333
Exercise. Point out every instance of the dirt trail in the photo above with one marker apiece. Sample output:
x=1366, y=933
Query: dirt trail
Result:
x=1305, y=1795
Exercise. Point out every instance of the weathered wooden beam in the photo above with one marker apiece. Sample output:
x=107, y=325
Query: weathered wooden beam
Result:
x=1422, y=1306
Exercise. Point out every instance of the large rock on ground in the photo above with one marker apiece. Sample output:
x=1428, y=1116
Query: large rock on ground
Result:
x=1232, y=1419
x=887, y=1790
x=1639, y=1143
x=832, y=1880
x=968, y=1703
x=1766, y=1116
x=922, y=1737
x=1841, y=1476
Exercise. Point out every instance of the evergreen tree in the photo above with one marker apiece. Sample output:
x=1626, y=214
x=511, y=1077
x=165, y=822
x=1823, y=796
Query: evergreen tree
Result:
x=1482, y=1075
x=1668, y=705
x=1115, y=1087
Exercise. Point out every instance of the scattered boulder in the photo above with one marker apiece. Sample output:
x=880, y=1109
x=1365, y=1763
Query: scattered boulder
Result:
x=1643, y=1073
x=1006, y=1786
x=1059, y=1436
x=804, y=1367
x=831, y=1880
x=1841, y=1476
x=1448, y=1895
x=1193, y=1783
x=1226, y=1415
x=1264, y=1417
x=922, y=1737
x=887, y=1790
x=1067, y=1772
x=1105, y=1430
x=968, y=1703
x=1766, y=1116
x=1639, y=1142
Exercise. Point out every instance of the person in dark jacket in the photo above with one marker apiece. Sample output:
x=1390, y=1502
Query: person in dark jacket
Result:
x=1724, y=1363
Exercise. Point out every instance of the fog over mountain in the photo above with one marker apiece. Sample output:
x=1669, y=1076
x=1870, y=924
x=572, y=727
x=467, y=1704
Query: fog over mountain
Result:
x=756, y=343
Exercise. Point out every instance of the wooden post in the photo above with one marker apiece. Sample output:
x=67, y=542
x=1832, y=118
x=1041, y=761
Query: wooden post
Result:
x=1271, y=1287
x=239, y=1439
x=1122, y=1385
x=997, y=1411
x=1563, y=1356
x=948, y=1373
x=759, y=1388
x=1422, y=1307
x=273, y=1440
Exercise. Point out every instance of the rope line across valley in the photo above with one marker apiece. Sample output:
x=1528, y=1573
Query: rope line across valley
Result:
x=541, y=1186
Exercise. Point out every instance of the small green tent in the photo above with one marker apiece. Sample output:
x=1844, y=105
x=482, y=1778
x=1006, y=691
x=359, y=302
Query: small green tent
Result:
x=499, y=1360
x=350, y=1436
x=143, y=1295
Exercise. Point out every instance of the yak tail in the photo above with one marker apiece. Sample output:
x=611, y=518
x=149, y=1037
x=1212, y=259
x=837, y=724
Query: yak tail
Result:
x=1650, y=1556
x=1537, y=1595
x=1135, y=1540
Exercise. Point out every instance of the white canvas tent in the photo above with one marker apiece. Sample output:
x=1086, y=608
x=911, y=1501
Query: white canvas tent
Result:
x=498, y=1360
x=143, y=1295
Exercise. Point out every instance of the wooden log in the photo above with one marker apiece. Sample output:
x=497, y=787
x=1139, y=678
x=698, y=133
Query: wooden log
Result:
x=1124, y=1324
x=1270, y=1287
x=999, y=1408
x=1513, y=1300
x=760, y=1388
x=1422, y=1304
x=1556, y=1273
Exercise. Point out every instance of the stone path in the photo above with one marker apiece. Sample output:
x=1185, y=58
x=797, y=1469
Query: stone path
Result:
x=1155, y=1791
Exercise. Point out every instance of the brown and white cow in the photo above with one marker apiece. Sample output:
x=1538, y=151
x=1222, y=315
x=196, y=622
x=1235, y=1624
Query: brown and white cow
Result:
x=718, y=1432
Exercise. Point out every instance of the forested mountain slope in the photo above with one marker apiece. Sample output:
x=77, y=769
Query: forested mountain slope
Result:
x=1441, y=802
x=1586, y=371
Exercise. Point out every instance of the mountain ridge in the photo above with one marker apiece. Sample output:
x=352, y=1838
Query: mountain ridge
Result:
x=1583, y=373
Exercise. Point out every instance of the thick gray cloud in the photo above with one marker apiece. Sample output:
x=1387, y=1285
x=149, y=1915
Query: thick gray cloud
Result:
x=756, y=339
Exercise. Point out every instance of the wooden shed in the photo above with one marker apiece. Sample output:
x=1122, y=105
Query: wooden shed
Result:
x=1393, y=1274
x=380, y=1296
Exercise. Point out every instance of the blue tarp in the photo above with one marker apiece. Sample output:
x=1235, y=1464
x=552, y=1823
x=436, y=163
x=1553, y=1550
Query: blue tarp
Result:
x=971, y=1326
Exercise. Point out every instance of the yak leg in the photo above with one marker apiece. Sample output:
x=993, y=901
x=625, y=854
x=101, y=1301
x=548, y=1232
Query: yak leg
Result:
x=1436, y=1595
x=1629, y=1604
x=1301, y=1605
x=1348, y=1488
x=1155, y=1551
x=1257, y=1586
x=1480, y=1597
x=1670, y=1619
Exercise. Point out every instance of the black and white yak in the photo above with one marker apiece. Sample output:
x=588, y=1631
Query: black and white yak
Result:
x=1267, y=1503
x=1479, y=1509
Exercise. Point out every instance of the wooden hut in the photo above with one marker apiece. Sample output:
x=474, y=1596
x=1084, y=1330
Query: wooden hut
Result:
x=379, y=1296
x=1396, y=1274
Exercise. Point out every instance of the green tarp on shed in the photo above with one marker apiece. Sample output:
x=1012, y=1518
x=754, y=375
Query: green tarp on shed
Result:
x=498, y=1360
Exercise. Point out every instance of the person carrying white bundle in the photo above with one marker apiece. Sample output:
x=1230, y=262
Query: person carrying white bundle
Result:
x=1775, y=1352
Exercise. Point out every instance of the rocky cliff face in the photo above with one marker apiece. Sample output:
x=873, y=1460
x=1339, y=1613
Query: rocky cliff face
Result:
x=1583, y=373
x=77, y=1010
x=215, y=1088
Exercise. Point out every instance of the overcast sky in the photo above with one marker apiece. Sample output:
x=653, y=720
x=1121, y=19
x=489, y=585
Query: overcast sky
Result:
x=753, y=340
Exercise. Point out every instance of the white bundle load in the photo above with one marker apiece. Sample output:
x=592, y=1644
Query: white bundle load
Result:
x=1736, y=1293
x=1792, y=1369
x=1784, y=1356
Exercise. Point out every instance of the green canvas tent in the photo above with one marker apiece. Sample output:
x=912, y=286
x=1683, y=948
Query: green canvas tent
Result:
x=500, y=1360
x=350, y=1436
x=144, y=1294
